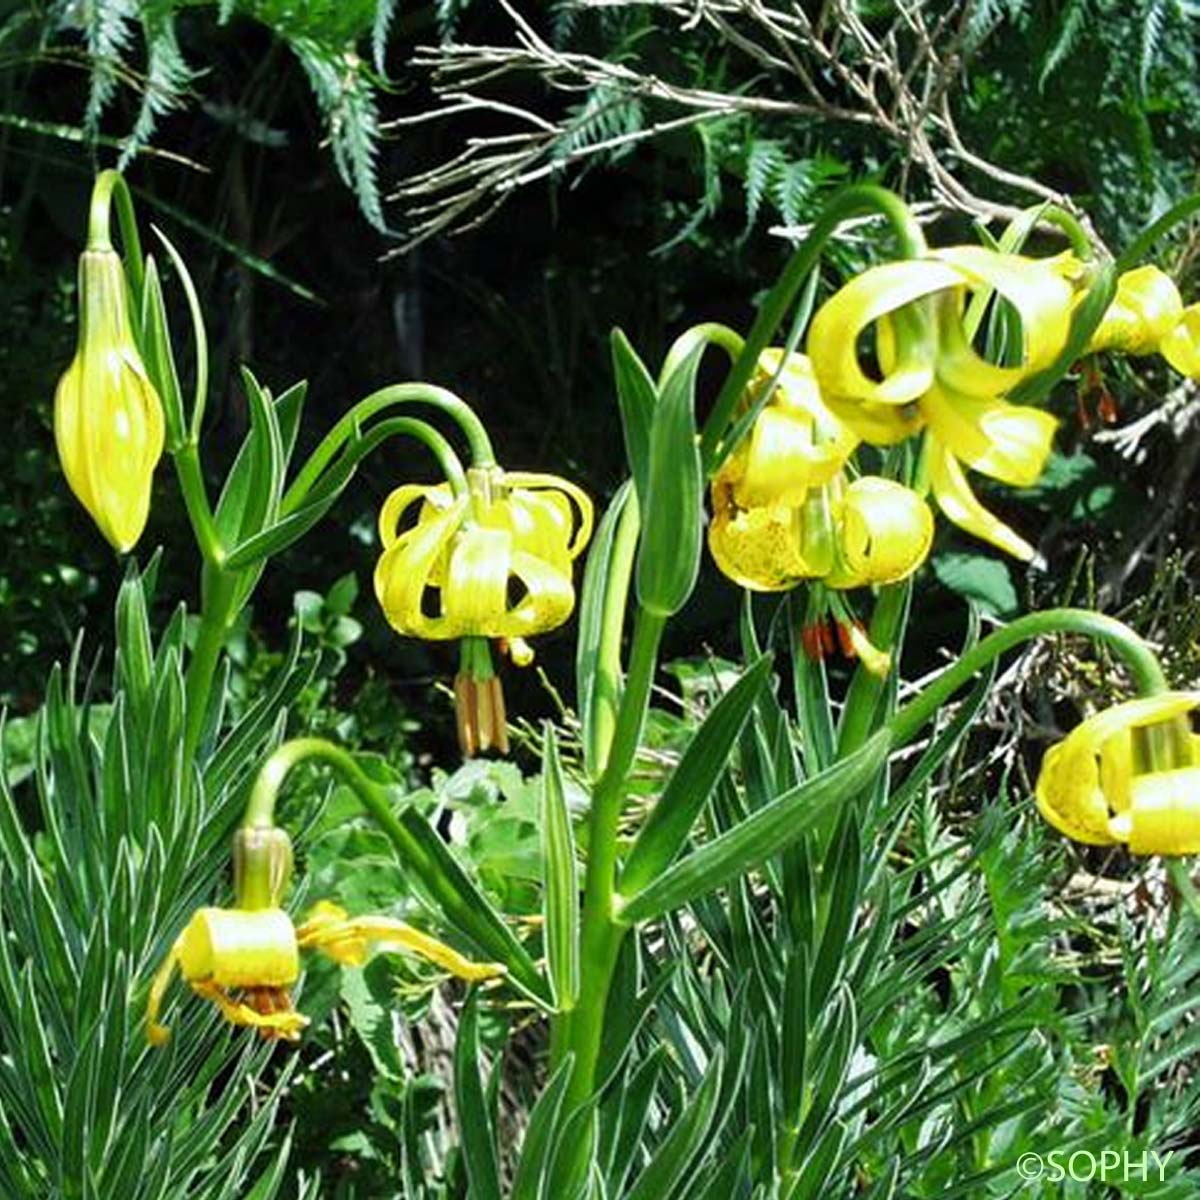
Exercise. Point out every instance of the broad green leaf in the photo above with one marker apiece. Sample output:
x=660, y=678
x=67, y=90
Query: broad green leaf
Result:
x=479, y=1143
x=760, y=835
x=984, y=580
x=560, y=889
x=668, y=560
x=691, y=784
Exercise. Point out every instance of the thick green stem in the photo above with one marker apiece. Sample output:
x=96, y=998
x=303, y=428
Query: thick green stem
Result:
x=862, y=700
x=1140, y=660
x=218, y=611
x=851, y=202
x=601, y=936
x=482, y=454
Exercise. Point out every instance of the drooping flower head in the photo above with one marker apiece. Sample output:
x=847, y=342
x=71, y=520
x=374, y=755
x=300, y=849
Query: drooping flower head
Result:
x=1145, y=309
x=494, y=562
x=108, y=420
x=246, y=959
x=784, y=510
x=1128, y=774
x=930, y=376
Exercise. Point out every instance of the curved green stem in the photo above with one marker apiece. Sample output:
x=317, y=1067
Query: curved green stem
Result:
x=850, y=202
x=1069, y=224
x=709, y=333
x=447, y=458
x=1137, y=249
x=348, y=425
x=109, y=185
x=1144, y=667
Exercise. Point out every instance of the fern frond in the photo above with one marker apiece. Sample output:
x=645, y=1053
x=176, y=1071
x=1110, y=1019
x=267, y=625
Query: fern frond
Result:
x=385, y=11
x=1153, y=26
x=764, y=162
x=168, y=77
x=109, y=31
x=346, y=98
x=1070, y=26
x=791, y=189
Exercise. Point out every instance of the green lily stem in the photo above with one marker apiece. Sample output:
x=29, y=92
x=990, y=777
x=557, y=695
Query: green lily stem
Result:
x=862, y=699
x=348, y=425
x=608, y=658
x=850, y=202
x=109, y=185
x=1140, y=246
x=216, y=616
x=601, y=935
x=1066, y=221
x=1143, y=666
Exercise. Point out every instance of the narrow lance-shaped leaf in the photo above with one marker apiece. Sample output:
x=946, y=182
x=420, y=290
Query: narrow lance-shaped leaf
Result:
x=479, y=1143
x=668, y=560
x=637, y=397
x=691, y=783
x=762, y=834
x=560, y=890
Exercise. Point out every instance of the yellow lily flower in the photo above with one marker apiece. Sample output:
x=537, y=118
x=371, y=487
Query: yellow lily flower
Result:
x=494, y=563
x=873, y=531
x=931, y=378
x=246, y=960
x=1093, y=788
x=795, y=443
x=1145, y=309
x=1181, y=345
x=108, y=421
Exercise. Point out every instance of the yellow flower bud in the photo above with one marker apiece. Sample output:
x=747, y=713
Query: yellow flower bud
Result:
x=1181, y=346
x=108, y=421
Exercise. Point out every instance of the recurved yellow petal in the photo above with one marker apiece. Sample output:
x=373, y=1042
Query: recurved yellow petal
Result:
x=1008, y=442
x=883, y=291
x=1146, y=307
x=1181, y=345
x=240, y=948
x=1164, y=813
x=886, y=530
x=959, y=504
x=758, y=548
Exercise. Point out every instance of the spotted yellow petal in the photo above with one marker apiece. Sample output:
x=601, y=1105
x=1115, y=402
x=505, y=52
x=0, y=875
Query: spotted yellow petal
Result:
x=757, y=548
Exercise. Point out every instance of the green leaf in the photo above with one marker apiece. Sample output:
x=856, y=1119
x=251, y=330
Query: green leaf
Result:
x=819, y=1169
x=451, y=890
x=534, y=1166
x=597, y=674
x=691, y=783
x=636, y=1098
x=159, y=357
x=843, y=884
x=762, y=834
x=479, y=1143
x=637, y=397
x=560, y=889
x=668, y=561
x=793, y=1049
x=980, y=578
